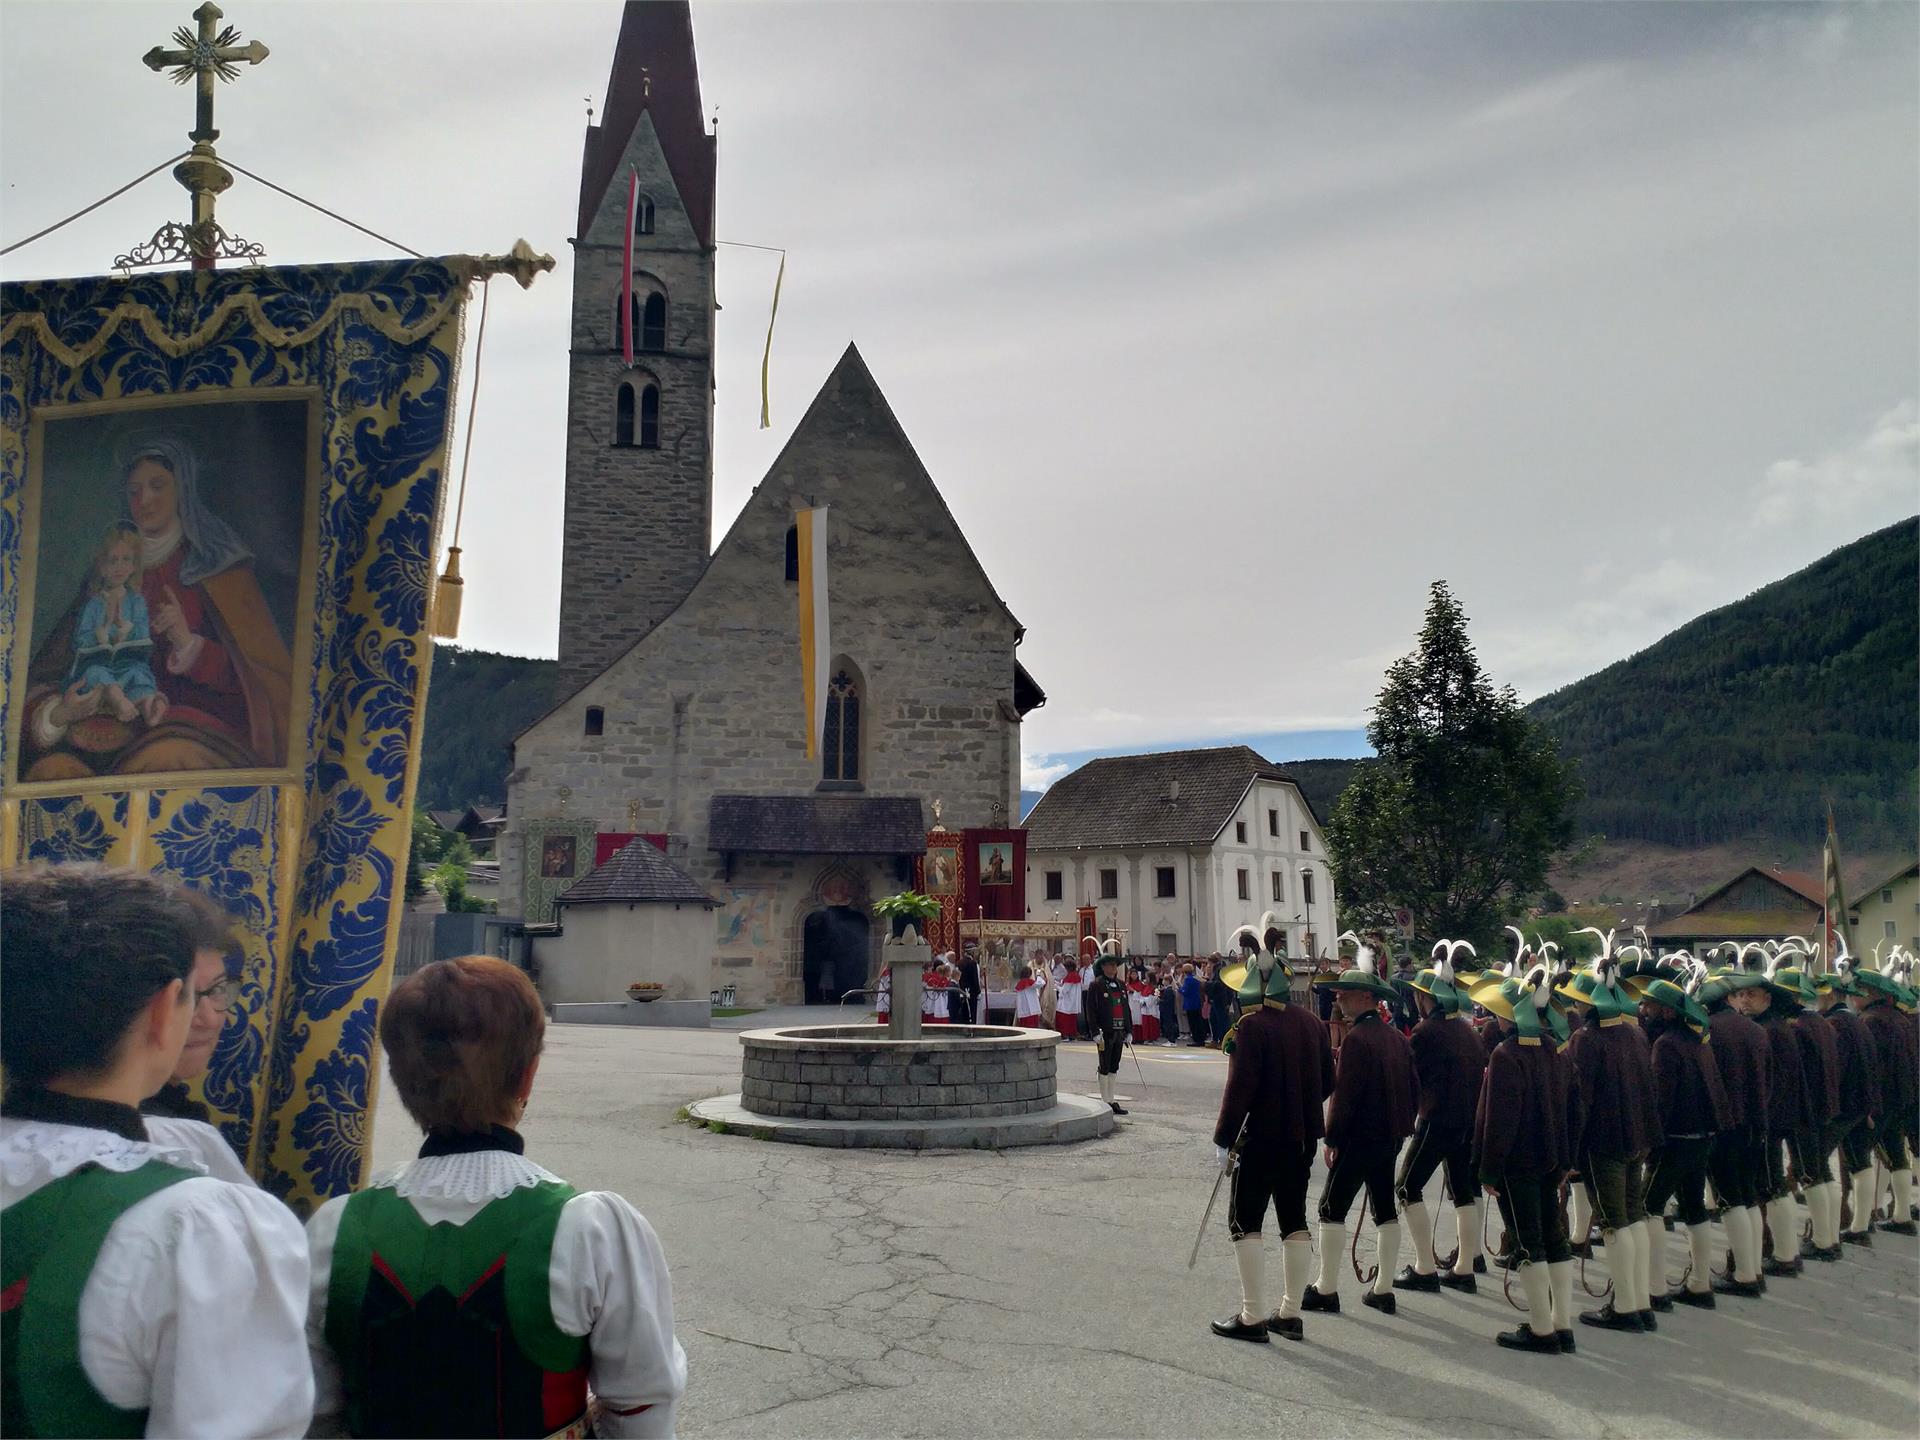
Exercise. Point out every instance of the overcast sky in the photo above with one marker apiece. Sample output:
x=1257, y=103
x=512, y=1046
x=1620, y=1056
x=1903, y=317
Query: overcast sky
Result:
x=1224, y=330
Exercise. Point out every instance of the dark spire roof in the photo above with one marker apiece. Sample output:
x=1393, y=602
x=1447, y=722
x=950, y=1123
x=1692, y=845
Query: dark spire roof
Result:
x=637, y=874
x=655, y=36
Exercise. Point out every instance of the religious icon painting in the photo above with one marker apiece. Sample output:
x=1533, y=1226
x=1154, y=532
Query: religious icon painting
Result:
x=942, y=870
x=996, y=863
x=166, y=590
x=558, y=857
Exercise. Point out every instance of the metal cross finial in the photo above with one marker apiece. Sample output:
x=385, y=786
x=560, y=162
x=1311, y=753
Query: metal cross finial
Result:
x=202, y=57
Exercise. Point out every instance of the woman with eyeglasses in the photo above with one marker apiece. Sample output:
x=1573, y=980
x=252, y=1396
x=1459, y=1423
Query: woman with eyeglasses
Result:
x=172, y=1117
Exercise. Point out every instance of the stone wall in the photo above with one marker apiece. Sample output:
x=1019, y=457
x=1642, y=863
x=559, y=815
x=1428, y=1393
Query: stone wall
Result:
x=638, y=522
x=710, y=701
x=825, y=1074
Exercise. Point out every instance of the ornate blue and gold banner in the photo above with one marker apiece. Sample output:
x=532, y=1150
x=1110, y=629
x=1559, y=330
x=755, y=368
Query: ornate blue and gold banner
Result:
x=219, y=501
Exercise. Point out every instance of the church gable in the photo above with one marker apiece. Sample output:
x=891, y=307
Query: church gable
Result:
x=643, y=156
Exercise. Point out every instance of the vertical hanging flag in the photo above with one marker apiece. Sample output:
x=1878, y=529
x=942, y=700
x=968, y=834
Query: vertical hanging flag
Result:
x=626, y=268
x=1836, y=895
x=816, y=644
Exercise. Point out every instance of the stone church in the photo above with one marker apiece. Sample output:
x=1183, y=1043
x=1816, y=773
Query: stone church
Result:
x=681, y=722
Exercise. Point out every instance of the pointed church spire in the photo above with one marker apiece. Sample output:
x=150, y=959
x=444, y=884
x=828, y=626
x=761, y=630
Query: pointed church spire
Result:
x=654, y=72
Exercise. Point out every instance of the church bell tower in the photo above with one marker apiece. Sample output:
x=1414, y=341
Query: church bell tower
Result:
x=639, y=478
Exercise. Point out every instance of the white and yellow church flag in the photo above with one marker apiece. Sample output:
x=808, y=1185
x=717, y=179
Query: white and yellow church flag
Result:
x=816, y=645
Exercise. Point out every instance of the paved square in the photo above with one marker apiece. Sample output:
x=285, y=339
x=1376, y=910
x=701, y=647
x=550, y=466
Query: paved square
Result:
x=1044, y=1292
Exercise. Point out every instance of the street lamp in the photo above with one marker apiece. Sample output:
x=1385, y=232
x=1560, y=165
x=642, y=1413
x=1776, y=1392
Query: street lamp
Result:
x=1306, y=891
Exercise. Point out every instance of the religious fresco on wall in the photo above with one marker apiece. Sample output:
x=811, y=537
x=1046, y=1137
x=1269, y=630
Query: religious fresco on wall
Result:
x=167, y=588
x=744, y=921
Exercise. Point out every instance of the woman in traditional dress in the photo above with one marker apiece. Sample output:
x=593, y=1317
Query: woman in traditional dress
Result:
x=472, y=1292
x=218, y=656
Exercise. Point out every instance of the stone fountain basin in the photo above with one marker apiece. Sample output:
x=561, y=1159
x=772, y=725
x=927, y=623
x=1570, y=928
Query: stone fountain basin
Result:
x=855, y=1072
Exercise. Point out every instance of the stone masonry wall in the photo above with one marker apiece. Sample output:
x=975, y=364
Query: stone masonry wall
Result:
x=710, y=702
x=843, y=1081
x=638, y=522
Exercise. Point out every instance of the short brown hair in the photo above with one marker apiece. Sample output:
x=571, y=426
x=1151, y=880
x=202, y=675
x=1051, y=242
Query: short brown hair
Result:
x=460, y=1035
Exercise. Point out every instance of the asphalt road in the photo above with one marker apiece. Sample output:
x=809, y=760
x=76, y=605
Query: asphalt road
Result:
x=1045, y=1292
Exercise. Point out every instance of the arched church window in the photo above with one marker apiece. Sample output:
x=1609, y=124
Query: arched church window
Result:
x=643, y=215
x=840, y=752
x=623, y=416
x=793, y=553
x=596, y=720
x=650, y=417
x=653, y=323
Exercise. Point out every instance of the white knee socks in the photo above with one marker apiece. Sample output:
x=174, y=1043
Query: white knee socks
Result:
x=1333, y=1254
x=1743, y=1234
x=1296, y=1263
x=1106, y=1088
x=1862, y=1200
x=1420, y=1230
x=1582, y=1215
x=1539, y=1291
x=1560, y=1277
x=1653, y=1260
x=1389, y=1257
x=1624, y=1265
x=1700, y=1245
x=1783, y=1221
x=1247, y=1255
x=1902, y=1195
x=1468, y=1219
x=1817, y=1211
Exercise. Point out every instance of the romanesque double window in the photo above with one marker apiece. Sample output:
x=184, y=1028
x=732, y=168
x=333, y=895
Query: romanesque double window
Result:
x=643, y=214
x=840, y=750
x=649, y=322
x=636, y=415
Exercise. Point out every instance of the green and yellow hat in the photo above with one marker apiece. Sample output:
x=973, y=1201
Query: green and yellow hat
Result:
x=1641, y=970
x=1665, y=992
x=1362, y=976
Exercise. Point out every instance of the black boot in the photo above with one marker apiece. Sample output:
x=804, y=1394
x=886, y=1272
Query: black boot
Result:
x=1411, y=1279
x=1314, y=1300
x=1115, y=1105
x=1286, y=1327
x=1385, y=1304
x=1862, y=1238
x=1771, y=1266
x=1727, y=1285
x=1608, y=1318
x=1464, y=1283
x=1523, y=1338
x=1901, y=1227
x=1700, y=1299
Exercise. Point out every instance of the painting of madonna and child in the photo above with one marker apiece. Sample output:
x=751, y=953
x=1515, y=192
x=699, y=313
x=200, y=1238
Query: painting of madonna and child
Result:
x=166, y=553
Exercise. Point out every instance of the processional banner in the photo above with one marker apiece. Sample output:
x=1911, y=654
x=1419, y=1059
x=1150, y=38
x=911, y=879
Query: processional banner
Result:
x=219, y=502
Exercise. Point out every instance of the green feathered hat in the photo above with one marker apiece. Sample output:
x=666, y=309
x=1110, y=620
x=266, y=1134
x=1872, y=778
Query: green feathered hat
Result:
x=1440, y=981
x=1247, y=941
x=1362, y=976
x=1638, y=970
x=1665, y=992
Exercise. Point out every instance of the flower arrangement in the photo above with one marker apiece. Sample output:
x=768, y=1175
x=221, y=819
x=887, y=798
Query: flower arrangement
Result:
x=645, y=990
x=911, y=906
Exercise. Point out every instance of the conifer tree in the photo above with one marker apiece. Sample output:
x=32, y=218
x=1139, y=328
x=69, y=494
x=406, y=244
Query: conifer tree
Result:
x=1466, y=802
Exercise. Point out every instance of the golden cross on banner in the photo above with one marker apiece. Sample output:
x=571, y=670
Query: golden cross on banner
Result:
x=202, y=57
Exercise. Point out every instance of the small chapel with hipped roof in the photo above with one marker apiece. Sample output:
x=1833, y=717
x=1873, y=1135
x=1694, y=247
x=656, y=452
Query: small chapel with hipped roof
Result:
x=680, y=721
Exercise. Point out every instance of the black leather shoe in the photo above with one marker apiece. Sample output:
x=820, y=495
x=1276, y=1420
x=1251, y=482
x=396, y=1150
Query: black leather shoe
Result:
x=1524, y=1339
x=1234, y=1328
x=1649, y=1322
x=1286, y=1328
x=1662, y=1303
x=1699, y=1299
x=1411, y=1279
x=1385, y=1304
x=1901, y=1227
x=1115, y=1104
x=1463, y=1283
x=1825, y=1253
x=1608, y=1318
x=1862, y=1238
x=1566, y=1342
x=1727, y=1285
x=1479, y=1264
x=1314, y=1300
x=1789, y=1268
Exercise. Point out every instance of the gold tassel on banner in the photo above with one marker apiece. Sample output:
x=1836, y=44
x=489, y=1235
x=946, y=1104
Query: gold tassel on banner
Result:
x=449, y=589
x=447, y=592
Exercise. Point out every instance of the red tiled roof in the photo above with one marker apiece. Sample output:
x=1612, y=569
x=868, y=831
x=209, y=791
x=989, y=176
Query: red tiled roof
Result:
x=1811, y=886
x=657, y=36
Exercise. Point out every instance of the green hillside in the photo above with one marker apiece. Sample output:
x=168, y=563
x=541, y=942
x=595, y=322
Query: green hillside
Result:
x=1744, y=723
x=476, y=703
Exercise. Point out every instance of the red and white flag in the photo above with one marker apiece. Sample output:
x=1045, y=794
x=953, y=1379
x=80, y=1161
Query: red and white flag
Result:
x=626, y=268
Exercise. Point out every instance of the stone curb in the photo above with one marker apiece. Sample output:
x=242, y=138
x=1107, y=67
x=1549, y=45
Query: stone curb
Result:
x=1073, y=1118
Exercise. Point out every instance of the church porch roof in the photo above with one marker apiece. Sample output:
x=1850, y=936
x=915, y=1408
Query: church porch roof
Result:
x=816, y=825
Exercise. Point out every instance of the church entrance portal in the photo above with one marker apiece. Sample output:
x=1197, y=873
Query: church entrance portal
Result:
x=834, y=948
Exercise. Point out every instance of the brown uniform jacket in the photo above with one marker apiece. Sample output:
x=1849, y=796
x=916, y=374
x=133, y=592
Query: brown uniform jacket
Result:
x=1819, y=1070
x=1617, y=1096
x=1529, y=1116
x=1784, y=1097
x=1887, y=1027
x=1280, y=1072
x=1693, y=1101
x=1745, y=1061
x=1375, y=1092
x=1859, y=1078
x=1448, y=1059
